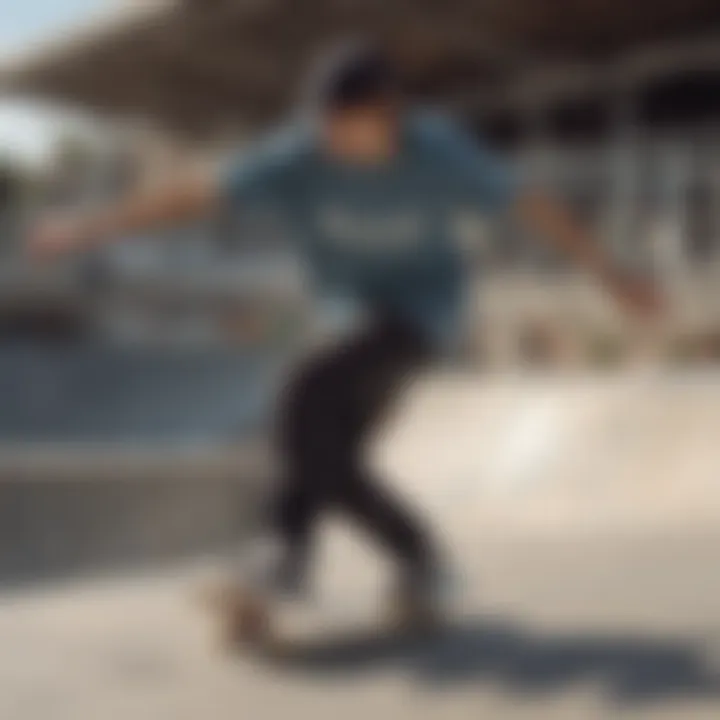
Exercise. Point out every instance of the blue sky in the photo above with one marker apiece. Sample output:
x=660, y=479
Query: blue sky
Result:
x=26, y=21
x=24, y=130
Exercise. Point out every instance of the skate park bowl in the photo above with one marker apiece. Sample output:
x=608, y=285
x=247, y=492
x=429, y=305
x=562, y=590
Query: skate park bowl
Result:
x=112, y=457
x=115, y=457
x=542, y=454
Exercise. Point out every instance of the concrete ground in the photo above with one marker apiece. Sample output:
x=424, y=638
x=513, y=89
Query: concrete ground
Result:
x=573, y=627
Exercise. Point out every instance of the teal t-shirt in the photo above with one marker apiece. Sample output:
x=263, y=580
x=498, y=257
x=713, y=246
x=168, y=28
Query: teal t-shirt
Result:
x=382, y=237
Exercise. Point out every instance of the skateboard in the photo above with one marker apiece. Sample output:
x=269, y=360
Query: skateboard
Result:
x=246, y=626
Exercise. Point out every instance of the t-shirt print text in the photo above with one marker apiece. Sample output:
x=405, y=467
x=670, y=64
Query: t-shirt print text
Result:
x=353, y=230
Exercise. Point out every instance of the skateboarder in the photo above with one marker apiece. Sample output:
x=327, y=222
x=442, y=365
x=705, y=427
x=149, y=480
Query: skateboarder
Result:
x=370, y=191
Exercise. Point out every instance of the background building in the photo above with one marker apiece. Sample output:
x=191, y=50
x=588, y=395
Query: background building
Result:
x=612, y=105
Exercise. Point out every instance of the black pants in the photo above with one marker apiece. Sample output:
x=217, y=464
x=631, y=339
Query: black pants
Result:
x=330, y=408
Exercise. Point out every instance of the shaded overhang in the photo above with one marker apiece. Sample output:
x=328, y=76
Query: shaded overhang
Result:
x=205, y=66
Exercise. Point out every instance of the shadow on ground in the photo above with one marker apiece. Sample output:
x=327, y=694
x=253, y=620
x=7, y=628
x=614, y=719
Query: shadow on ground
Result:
x=628, y=669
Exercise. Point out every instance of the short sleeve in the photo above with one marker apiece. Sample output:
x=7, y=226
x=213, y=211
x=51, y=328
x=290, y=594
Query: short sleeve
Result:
x=263, y=175
x=473, y=172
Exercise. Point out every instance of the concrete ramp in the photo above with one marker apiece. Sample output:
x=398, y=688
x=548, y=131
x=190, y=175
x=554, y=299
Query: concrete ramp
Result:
x=534, y=452
x=505, y=455
x=113, y=457
x=73, y=512
x=103, y=396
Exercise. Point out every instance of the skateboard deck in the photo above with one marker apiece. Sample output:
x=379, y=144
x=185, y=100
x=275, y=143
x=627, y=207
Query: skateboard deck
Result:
x=313, y=637
x=337, y=648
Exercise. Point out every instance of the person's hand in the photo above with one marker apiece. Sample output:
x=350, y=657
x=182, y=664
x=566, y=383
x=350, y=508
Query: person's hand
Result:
x=640, y=297
x=56, y=236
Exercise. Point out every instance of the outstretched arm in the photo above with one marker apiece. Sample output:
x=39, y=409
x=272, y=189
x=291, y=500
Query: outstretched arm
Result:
x=549, y=220
x=185, y=199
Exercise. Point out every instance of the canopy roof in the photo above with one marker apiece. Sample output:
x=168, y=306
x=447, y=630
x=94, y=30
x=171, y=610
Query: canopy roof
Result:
x=208, y=65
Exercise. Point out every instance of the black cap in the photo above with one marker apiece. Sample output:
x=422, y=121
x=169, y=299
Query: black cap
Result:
x=352, y=75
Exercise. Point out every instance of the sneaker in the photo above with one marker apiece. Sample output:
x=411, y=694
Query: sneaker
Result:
x=244, y=616
x=413, y=614
x=426, y=607
x=270, y=571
